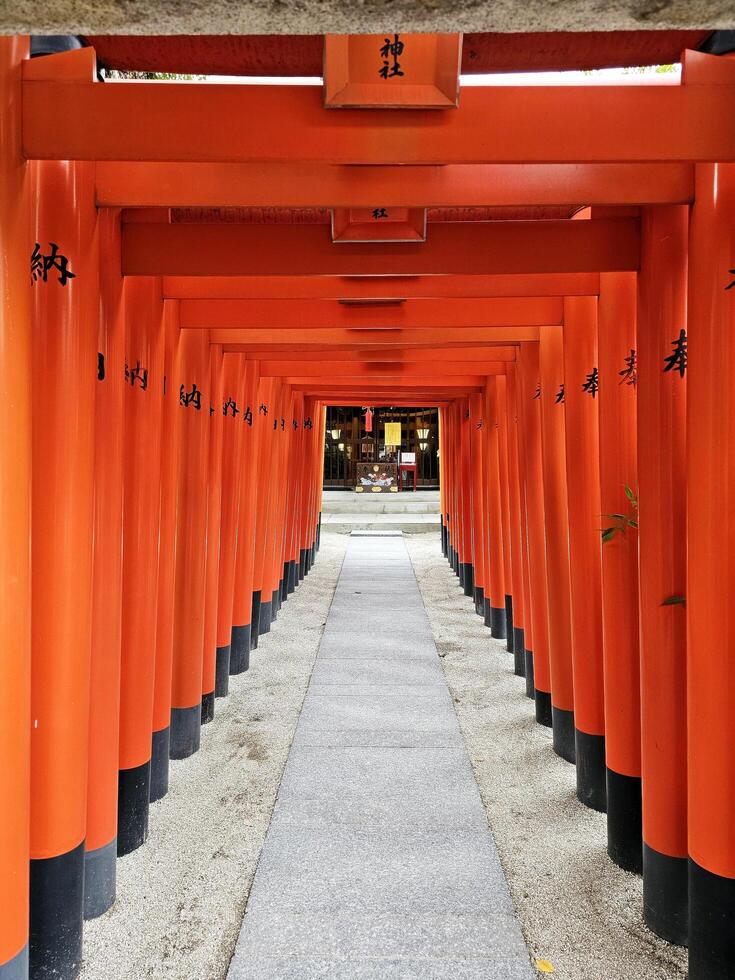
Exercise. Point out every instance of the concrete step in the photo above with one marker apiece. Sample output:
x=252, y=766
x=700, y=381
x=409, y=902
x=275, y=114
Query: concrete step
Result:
x=421, y=502
x=408, y=523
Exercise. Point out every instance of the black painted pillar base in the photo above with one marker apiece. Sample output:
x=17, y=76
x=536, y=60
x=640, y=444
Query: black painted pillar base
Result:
x=133, y=790
x=266, y=613
x=487, y=613
x=56, y=915
x=562, y=724
x=207, y=708
x=624, y=821
x=519, y=653
x=498, y=627
x=530, y=674
x=275, y=604
x=319, y=532
x=302, y=564
x=711, y=924
x=460, y=574
x=469, y=579
x=666, y=895
x=284, y=582
x=542, y=700
x=99, y=880
x=186, y=729
x=456, y=564
x=239, y=649
x=292, y=579
x=255, y=620
x=509, y=624
x=479, y=600
x=591, y=770
x=443, y=532
x=222, y=671
x=160, y=742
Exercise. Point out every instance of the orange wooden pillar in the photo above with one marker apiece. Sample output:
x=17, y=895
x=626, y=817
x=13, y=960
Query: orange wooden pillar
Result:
x=15, y=517
x=516, y=526
x=144, y=352
x=237, y=415
x=104, y=708
x=313, y=431
x=170, y=439
x=214, y=512
x=191, y=381
x=466, y=571
x=242, y=605
x=496, y=567
x=66, y=302
x=479, y=551
x=457, y=489
x=263, y=419
x=618, y=358
x=553, y=445
x=537, y=665
x=501, y=386
x=581, y=374
x=297, y=489
x=662, y=562
x=441, y=426
x=274, y=570
x=245, y=615
x=710, y=574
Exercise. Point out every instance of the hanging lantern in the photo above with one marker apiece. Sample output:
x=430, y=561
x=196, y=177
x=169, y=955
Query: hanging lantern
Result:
x=335, y=434
x=368, y=419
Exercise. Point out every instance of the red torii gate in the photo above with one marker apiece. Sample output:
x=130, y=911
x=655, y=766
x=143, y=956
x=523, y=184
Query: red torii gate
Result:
x=575, y=307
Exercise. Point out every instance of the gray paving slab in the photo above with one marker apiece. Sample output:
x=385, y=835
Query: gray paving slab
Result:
x=378, y=673
x=378, y=862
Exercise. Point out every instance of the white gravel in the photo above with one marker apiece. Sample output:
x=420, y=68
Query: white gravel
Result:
x=181, y=897
x=577, y=909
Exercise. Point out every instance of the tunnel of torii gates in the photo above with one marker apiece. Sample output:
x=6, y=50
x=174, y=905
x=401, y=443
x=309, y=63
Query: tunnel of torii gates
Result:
x=165, y=368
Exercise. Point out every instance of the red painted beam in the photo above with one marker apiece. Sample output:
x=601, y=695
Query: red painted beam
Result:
x=308, y=185
x=366, y=287
x=483, y=248
x=367, y=337
x=244, y=314
x=67, y=120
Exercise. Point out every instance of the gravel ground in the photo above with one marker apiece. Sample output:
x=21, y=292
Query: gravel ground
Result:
x=182, y=896
x=577, y=909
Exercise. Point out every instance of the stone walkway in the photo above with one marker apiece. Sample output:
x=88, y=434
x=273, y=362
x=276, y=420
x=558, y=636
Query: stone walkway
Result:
x=378, y=862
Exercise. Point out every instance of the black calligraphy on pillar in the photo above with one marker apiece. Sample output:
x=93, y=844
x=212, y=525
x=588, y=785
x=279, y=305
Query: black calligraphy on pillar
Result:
x=730, y=272
x=592, y=383
x=379, y=213
x=479, y=424
x=100, y=366
x=283, y=425
x=230, y=407
x=136, y=374
x=629, y=374
x=308, y=424
x=537, y=392
x=560, y=395
x=248, y=416
x=193, y=397
x=295, y=424
x=390, y=52
x=677, y=360
x=262, y=409
x=42, y=264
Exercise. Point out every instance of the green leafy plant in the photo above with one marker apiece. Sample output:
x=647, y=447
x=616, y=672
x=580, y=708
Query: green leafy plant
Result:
x=622, y=521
